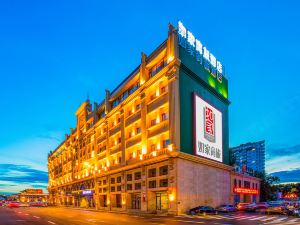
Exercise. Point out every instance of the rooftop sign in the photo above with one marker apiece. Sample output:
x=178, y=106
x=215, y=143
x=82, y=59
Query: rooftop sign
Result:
x=194, y=46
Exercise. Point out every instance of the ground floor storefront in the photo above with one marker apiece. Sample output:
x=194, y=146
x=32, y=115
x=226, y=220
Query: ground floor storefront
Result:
x=167, y=185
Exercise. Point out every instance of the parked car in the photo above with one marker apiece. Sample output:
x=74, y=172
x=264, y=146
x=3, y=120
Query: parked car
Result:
x=241, y=206
x=13, y=204
x=296, y=212
x=226, y=208
x=254, y=207
x=204, y=209
x=275, y=208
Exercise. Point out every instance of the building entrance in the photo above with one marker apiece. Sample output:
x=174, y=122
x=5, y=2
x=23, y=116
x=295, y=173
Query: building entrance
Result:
x=162, y=201
x=136, y=201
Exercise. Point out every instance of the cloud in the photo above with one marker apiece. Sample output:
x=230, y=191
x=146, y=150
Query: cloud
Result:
x=282, y=158
x=288, y=176
x=15, y=178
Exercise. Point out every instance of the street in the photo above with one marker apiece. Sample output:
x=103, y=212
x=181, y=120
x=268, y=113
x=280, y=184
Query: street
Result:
x=65, y=216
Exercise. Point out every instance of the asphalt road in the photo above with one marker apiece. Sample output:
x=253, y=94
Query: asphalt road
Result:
x=64, y=216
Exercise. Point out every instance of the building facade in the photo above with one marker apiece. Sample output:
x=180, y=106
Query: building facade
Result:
x=33, y=196
x=157, y=143
x=249, y=157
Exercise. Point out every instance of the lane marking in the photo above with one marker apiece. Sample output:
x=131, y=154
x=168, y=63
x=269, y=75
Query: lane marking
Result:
x=51, y=222
x=36, y=217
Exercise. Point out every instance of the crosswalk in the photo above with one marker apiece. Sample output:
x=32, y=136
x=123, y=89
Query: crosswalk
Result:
x=272, y=220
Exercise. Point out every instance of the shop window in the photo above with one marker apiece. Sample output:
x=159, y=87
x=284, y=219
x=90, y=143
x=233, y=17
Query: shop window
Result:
x=137, y=186
x=137, y=175
x=163, y=183
x=129, y=177
x=129, y=187
x=152, y=172
x=163, y=170
x=112, y=180
x=152, y=184
x=119, y=188
x=119, y=179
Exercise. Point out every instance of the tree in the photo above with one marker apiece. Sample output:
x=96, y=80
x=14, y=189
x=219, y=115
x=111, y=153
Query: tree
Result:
x=267, y=190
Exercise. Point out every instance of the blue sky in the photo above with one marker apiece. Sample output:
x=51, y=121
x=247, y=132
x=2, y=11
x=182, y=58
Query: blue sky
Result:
x=55, y=53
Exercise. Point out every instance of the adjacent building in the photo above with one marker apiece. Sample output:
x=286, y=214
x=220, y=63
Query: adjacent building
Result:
x=33, y=196
x=249, y=157
x=158, y=142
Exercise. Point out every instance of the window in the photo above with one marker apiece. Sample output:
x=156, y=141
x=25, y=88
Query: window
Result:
x=138, y=107
x=119, y=159
x=153, y=122
x=152, y=172
x=112, y=180
x=129, y=187
x=119, y=140
x=166, y=143
x=100, y=182
x=234, y=183
x=240, y=183
x=119, y=179
x=137, y=175
x=138, y=130
x=129, y=177
x=163, y=170
x=163, y=183
x=163, y=89
x=137, y=186
x=104, y=182
x=247, y=184
x=153, y=148
x=152, y=184
x=112, y=189
x=119, y=188
x=164, y=116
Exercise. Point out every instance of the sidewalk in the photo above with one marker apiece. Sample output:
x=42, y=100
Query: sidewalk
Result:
x=144, y=214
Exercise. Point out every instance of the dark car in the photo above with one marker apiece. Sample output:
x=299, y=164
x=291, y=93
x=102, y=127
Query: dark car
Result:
x=226, y=208
x=257, y=207
x=204, y=209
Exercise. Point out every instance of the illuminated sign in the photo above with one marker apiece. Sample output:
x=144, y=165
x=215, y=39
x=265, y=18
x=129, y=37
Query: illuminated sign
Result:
x=187, y=40
x=291, y=196
x=33, y=191
x=245, y=191
x=208, y=130
x=87, y=192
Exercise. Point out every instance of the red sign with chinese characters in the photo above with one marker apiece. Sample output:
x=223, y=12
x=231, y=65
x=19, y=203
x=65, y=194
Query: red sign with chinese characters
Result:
x=209, y=121
x=291, y=196
x=245, y=191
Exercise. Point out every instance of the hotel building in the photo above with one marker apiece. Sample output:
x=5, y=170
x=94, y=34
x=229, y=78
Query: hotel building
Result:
x=157, y=143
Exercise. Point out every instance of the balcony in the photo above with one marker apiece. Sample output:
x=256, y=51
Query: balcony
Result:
x=159, y=101
x=158, y=128
x=101, y=138
x=133, y=140
x=115, y=130
x=115, y=149
x=133, y=118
